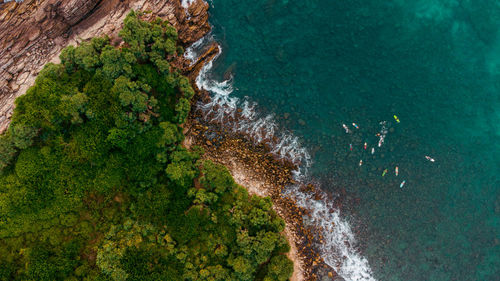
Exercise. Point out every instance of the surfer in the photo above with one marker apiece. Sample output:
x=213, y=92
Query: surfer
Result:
x=396, y=118
x=373, y=150
x=350, y=146
x=384, y=172
x=360, y=162
x=402, y=184
x=345, y=128
x=355, y=126
x=429, y=158
x=396, y=171
x=365, y=145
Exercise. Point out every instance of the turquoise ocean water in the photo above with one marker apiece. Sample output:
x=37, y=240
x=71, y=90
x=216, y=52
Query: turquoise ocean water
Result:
x=316, y=65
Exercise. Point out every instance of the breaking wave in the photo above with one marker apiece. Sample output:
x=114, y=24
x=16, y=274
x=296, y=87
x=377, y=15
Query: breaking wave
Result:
x=339, y=248
x=240, y=115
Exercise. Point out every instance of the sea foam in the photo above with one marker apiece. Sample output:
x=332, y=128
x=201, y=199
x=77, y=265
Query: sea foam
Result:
x=339, y=248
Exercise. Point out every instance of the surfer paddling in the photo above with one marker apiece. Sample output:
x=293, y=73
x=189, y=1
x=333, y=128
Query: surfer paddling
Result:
x=384, y=172
x=365, y=145
x=350, y=146
x=402, y=184
x=396, y=118
x=373, y=150
x=360, y=162
x=355, y=125
x=396, y=171
x=430, y=158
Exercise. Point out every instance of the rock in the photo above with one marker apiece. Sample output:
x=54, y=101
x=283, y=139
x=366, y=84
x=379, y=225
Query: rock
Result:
x=286, y=115
x=33, y=33
x=14, y=87
x=22, y=78
x=74, y=11
x=302, y=122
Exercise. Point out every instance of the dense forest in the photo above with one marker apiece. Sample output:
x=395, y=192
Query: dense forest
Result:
x=95, y=184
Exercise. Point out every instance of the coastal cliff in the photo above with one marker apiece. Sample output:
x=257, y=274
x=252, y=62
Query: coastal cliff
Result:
x=33, y=33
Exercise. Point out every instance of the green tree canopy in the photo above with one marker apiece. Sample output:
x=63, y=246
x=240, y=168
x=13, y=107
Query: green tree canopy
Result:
x=95, y=184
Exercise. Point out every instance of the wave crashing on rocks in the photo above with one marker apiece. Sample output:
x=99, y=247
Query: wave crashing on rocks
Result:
x=240, y=115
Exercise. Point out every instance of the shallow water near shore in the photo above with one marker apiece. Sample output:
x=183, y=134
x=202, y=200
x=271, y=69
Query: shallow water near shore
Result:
x=435, y=64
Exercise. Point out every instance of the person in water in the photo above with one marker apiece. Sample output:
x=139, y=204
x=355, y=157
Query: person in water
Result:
x=384, y=172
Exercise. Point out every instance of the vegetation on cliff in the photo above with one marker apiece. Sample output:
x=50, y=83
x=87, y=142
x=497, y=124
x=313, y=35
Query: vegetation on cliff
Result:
x=95, y=184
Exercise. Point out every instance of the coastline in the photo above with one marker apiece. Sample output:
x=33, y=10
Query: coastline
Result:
x=252, y=166
x=256, y=169
x=255, y=185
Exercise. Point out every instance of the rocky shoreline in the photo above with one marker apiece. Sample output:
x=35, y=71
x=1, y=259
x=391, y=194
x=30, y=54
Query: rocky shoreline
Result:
x=257, y=169
x=254, y=167
x=34, y=32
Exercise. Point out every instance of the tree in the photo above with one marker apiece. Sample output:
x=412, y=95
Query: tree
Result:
x=7, y=151
x=216, y=177
x=171, y=134
x=118, y=137
x=280, y=268
x=116, y=63
x=74, y=106
x=182, y=110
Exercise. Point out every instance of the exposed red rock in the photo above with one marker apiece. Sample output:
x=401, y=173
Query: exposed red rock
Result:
x=34, y=32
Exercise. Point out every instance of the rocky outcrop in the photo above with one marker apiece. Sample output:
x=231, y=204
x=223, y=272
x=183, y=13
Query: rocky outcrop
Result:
x=34, y=32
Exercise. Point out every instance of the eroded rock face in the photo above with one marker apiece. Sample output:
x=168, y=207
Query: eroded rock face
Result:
x=34, y=32
x=73, y=11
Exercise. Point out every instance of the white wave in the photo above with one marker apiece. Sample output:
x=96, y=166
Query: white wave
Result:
x=196, y=49
x=339, y=247
x=223, y=108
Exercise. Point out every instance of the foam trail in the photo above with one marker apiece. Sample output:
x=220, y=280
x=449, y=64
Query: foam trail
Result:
x=383, y=133
x=339, y=250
